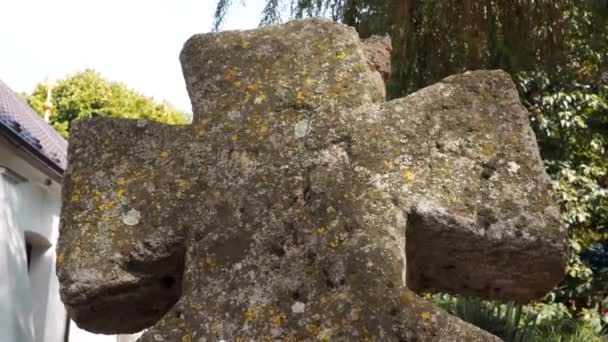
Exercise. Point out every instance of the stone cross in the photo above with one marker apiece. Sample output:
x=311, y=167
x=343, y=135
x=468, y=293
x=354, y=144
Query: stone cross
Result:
x=288, y=208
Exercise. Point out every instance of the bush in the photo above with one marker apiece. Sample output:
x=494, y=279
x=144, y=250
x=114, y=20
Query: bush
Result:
x=525, y=323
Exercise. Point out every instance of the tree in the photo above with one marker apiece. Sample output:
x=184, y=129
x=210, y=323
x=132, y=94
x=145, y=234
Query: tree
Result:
x=433, y=39
x=86, y=94
x=557, y=53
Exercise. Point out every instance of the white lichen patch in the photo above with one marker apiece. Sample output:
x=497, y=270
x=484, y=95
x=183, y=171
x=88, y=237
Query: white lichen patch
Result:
x=298, y=307
x=513, y=167
x=234, y=115
x=302, y=128
x=131, y=217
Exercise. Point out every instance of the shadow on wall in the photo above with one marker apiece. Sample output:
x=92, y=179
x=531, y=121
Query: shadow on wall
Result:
x=41, y=266
x=16, y=317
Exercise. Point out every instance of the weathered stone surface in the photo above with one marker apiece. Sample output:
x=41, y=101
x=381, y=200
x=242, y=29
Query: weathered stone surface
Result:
x=377, y=50
x=296, y=196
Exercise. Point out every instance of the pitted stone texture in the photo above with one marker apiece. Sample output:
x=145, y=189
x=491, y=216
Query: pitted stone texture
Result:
x=461, y=157
x=289, y=211
x=377, y=50
x=305, y=65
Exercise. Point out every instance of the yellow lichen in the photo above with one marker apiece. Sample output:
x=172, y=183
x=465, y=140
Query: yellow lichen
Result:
x=276, y=320
x=237, y=83
x=450, y=198
x=408, y=175
x=106, y=206
x=263, y=129
x=187, y=338
x=120, y=192
x=233, y=137
x=406, y=296
x=183, y=183
x=230, y=73
x=426, y=315
x=216, y=327
x=260, y=99
x=209, y=261
x=360, y=66
x=121, y=181
x=321, y=230
x=253, y=313
x=252, y=87
x=60, y=258
x=308, y=81
x=313, y=329
x=335, y=243
x=164, y=154
x=75, y=198
x=487, y=150
x=282, y=83
x=300, y=96
x=389, y=164
x=245, y=44
x=97, y=196
x=341, y=55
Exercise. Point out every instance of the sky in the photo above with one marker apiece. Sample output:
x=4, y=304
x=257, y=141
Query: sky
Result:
x=136, y=42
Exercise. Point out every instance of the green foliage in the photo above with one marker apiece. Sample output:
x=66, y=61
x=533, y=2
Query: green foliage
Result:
x=570, y=331
x=220, y=13
x=569, y=113
x=566, y=329
x=368, y=16
x=556, y=323
x=87, y=94
x=433, y=39
x=523, y=323
x=511, y=322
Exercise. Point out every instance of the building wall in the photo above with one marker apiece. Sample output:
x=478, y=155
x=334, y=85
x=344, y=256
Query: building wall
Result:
x=31, y=310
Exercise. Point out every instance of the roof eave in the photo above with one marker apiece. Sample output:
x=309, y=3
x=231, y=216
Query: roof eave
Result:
x=46, y=165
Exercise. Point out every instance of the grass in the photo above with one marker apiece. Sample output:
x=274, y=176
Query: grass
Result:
x=520, y=323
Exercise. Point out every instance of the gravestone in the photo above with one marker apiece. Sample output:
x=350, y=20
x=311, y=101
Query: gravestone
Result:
x=299, y=205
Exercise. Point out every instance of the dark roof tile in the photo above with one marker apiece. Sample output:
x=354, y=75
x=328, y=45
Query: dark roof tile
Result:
x=18, y=117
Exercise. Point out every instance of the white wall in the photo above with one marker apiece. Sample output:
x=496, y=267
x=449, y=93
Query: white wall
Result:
x=16, y=316
x=30, y=307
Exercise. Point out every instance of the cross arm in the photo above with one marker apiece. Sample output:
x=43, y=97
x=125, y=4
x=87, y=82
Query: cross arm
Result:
x=463, y=161
x=120, y=242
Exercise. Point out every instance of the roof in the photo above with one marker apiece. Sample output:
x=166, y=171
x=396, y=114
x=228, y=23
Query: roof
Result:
x=28, y=129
